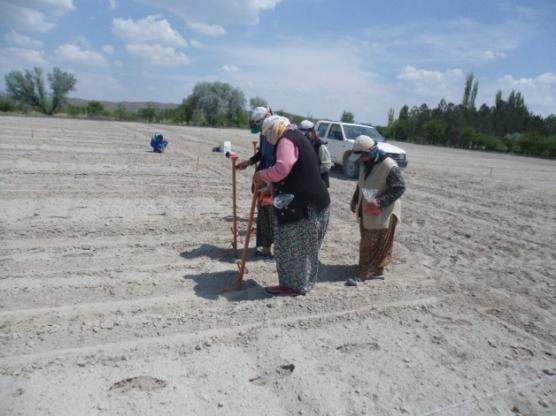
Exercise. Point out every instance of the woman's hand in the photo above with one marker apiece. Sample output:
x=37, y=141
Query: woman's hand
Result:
x=243, y=165
x=258, y=179
x=371, y=207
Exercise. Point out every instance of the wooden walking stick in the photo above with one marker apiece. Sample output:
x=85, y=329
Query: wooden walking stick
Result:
x=233, y=156
x=242, y=269
x=255, y=146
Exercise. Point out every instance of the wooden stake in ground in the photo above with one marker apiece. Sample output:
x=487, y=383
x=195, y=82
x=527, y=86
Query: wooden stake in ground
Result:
x=239, y=279
x=233, y=156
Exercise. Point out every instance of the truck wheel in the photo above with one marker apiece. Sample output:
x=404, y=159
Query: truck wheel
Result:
x=351, y=169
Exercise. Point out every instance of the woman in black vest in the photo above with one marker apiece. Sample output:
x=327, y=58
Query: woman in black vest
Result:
x=302, y=224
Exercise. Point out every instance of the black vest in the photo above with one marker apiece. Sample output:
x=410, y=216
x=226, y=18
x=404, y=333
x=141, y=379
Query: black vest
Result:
x=303, y=181
x=325, y=175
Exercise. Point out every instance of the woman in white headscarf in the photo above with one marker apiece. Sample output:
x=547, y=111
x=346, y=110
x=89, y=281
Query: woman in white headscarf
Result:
x=302, y=224
x=376, y=201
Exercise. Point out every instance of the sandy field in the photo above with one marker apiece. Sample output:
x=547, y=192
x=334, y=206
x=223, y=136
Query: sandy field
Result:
x=112, y=257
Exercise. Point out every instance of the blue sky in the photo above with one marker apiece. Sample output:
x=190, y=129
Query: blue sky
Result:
x=310, y=57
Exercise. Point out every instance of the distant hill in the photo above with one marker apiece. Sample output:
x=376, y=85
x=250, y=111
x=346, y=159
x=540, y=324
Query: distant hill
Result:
x=131, y=106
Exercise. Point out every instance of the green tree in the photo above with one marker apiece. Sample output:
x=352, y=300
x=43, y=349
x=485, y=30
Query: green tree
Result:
x=470, y=91
x=550, y=125
x=391, y=117
x=120, y=113
x=257, y=102
x=436, y=131
x=180, y=113
x=401, y=125
x=216, y=104
x=198, y=118
x=148, y=113
x=467, y=137
x=6, y=105
x=74, y=110
x=347, y=117
x=94, y=108
x=29, y=88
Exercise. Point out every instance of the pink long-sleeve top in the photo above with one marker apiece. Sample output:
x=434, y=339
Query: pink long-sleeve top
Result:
x=286, y=156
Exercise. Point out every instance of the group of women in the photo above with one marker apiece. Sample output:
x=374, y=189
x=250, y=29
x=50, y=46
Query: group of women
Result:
x=290, y=163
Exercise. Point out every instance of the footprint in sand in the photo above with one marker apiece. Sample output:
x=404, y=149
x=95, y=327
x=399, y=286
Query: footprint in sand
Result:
x=143, y=383
x=283, y=371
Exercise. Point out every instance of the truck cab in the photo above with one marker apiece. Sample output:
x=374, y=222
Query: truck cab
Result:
x=340, y=137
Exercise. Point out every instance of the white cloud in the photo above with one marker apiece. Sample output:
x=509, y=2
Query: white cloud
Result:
x=194, y=43
x=489, y=55
x=468, y=41
x=81, y=41
x=18, y=39
x=152, y=28
x=205, y=29
x=108, y=49
x=539, y=92
x=118, y=63
x=112, y=4
x=343, y=80
x=60, y=5
x=94, y=86
x=456, y=42
x=74, y=54
x=33, y=15
x=520, y=11
x=230, y=68
x=542, y=81
x=433, y=83
x=18, y=58
x=216, y=11
x=157, y=54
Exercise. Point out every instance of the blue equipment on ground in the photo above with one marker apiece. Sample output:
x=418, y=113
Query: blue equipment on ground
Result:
x=158, y=143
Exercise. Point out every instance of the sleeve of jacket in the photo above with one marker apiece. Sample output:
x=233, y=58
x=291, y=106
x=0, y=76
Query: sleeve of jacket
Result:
x=325, y=159
x=256, y=157
x=355, y=197
x=396, y=188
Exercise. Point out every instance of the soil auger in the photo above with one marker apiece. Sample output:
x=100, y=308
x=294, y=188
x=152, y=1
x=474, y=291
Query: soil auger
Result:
x=241, y=263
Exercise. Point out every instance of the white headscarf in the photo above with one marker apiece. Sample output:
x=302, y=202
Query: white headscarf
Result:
x=274, y=127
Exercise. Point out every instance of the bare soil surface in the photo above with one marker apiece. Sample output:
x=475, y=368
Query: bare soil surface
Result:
x=112, y=257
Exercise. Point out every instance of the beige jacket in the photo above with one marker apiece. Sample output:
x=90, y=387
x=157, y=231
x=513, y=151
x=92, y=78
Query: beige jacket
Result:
x=377, y=180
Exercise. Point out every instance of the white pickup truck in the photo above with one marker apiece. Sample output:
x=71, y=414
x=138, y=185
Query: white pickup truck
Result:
x=340, y=137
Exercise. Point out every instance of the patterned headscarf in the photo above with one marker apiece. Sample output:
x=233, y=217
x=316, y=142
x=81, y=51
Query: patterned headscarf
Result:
x=274, y=128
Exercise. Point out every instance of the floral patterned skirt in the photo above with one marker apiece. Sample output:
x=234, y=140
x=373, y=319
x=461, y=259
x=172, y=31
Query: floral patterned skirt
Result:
x=375, y=249
x=296, y=248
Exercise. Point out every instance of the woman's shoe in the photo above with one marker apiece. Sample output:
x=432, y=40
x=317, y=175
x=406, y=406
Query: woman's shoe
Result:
x=263, y=253
x=281, y=291
x=353, y=281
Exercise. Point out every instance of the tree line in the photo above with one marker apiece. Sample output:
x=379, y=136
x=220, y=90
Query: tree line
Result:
x=214, y=104
x=506, y=126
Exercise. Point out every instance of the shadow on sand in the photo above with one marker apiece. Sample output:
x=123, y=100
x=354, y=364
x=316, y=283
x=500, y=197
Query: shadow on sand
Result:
x=229, y=218
x=225, y=255
x=211, y=285
x=336, y=272
x=212, y=252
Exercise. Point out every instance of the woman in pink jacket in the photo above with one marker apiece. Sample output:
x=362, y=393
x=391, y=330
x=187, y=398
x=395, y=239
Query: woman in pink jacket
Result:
x=302, y=223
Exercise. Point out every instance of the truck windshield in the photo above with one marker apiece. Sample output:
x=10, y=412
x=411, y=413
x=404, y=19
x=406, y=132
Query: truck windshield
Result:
x=352, y=131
